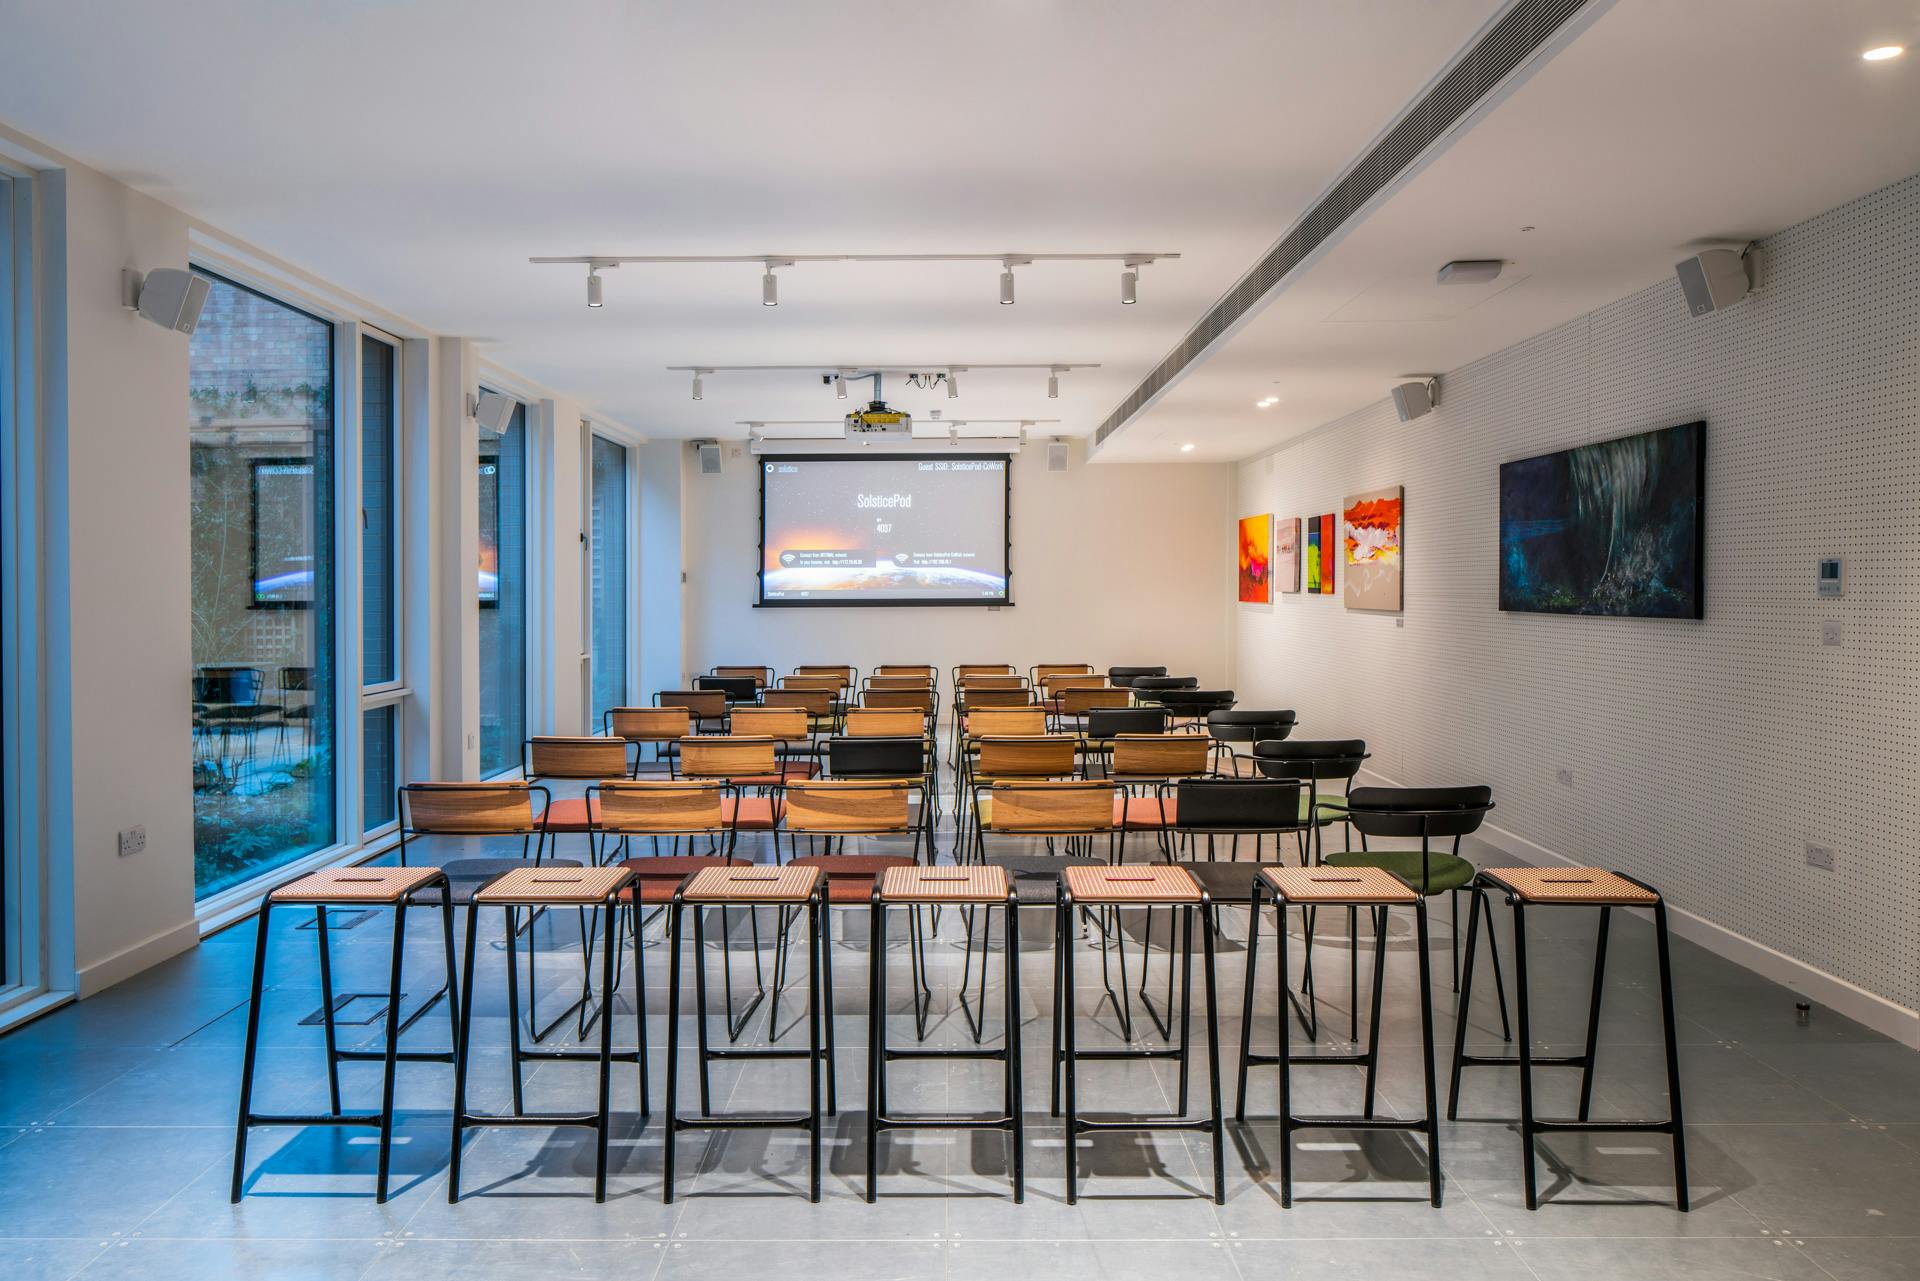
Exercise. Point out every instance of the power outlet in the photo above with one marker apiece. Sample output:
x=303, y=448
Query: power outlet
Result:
x=1830, y=632
x=132, y=841
x=1563, y=777
x=1821, y=857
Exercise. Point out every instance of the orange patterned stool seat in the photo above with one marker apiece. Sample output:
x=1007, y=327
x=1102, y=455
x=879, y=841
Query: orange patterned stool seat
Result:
x=1528, y=889
x=363, y=887
x=1149, y=886
x=1378, y=892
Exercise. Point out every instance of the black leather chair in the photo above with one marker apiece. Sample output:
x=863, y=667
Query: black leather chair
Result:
x=1193, y=706
x=1242, y=725
x=1153, y=688
x=1123, y=677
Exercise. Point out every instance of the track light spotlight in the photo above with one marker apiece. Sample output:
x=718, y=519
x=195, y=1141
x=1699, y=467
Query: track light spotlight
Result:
x=1006, y=287
x=699, y=388
x=769, y=289
x=1053, y=384
x=953, y=385
x=840, y=386
x=1129, y=286
x=593, y=287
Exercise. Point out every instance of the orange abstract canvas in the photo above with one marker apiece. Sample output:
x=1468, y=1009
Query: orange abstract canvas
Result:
x=1256, y=560
x=1371, y=532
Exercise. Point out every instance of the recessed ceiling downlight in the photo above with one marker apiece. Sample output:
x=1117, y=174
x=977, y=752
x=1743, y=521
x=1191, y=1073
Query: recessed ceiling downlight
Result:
x=1187, y=448
x=1884, y=52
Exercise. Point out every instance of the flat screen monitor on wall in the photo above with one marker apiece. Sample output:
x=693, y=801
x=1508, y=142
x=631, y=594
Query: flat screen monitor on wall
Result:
x=884, y=530
x=1614, y=528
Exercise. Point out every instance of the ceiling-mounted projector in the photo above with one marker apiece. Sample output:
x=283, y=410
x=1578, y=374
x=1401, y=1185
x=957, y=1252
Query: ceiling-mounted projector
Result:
x=877, y=422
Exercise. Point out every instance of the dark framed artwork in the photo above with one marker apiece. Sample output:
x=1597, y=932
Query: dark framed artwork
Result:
x=1615, y=528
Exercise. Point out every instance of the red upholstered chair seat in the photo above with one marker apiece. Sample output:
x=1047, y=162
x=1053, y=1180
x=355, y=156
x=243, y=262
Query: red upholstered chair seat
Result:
x=660, y=877
x=571, y=815
x=1144, y=812
x=755, y=812
x=850, y=877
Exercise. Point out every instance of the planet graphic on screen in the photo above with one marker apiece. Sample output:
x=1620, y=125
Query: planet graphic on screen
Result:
x=884, y=578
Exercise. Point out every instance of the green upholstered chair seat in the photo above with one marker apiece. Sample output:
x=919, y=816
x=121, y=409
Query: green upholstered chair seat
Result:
x=1445, y=871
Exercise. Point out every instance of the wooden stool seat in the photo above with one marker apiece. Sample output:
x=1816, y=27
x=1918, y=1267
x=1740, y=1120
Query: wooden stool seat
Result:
x=1342, y=886
x=789, y=884
x=552, y=887
x=1132, y=884
x=1580, y=886
x=945, y=885
x=356, y=885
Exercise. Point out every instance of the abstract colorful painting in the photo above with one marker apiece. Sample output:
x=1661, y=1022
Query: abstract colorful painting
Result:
x=1320, y=555
x=1370, y=531
x=1286, y=553
x=1256, y=560
x=1614, y=528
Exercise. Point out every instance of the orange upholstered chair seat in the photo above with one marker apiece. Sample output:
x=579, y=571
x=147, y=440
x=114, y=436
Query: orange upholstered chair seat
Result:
x=755, y=812
x=660, y=877
x=572, y=815
x=850, y=877
x=1139, y=813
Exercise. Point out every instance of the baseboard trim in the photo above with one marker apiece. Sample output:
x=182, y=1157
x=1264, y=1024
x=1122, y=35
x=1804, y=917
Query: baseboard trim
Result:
x=1889, y=1018
x=103, y=974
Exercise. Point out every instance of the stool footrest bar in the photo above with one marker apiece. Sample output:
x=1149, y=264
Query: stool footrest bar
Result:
x=1357, y=1123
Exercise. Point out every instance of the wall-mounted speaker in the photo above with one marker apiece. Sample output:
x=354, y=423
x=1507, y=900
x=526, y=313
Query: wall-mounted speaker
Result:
x=1056, y=455
x=1712, y=279
x=709, y=458
x=167, y=296
x=493, y=411
x=1416, y=399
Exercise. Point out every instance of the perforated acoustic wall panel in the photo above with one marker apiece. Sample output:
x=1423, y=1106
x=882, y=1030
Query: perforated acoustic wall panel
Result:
x=1701, y=756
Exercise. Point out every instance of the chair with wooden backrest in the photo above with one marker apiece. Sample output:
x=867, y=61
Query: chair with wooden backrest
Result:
x=1039, y=807
x=741, y=763
x=1141, y=763
x=660, y=726
x=899, y=682
x=652, y=808
x=886, y=722
x=905, y=756
x=927, y=670
x=982, y=721
x=1011, y=757
x=990, y=682
x=579, y=759
x=1039, y=672
x=964, y=670
x=1054, y=688
x=819, y=705
x=709, y=706
x=921, y=699
x=479, y=810
x=762, y=676
x=738, y=689
x=848, y=675
x=1070, y=710
x=813, y=680
x=790, y=727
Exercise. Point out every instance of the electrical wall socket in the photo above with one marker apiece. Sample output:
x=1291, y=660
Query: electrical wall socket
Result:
x=1563, y=777
x=132, y=841
x=1830, y=632
x=1821, y=857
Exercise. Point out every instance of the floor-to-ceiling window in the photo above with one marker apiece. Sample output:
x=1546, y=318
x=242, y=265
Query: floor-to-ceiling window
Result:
x=503, y=594
x=381, y=690
x=9, y=863
x=261, y=424
x=607, y=572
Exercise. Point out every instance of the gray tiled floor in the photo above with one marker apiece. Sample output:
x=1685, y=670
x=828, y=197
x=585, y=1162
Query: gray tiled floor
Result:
x=115, y=1141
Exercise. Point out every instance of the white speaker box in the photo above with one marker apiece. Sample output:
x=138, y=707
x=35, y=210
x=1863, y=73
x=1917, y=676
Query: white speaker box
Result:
x=1056, y=455
x=709, y=459
x=493, y=411
x=167, y=296
x=1712, y=279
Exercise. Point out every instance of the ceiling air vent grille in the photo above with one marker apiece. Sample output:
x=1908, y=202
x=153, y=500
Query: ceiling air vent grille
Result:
x=1507, y=44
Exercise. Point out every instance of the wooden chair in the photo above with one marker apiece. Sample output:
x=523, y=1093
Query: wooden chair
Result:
x=744, y=764
x=660, y=726
x=899, y=682
x=885, y=722
x=1071, y=708
x=650, y=809
x=709, y=706
x=1040, y=671
x=790, y=727
x=546, y=757
x=927, y=670
x=762, y=676
x=965, y=683
x=1143, y=764
x=820, y=705
x=1010, y=757
x=849, y=676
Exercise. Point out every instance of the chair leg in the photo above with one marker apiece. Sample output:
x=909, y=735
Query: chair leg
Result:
x=250, y=1054
x=391, y=1060
x=1216, y=1110
x=1681, y=1200
x=1525, y=1047
x=326, y=1008
x=1426, y=1053
x=671, y=1103
x=1593, y=1015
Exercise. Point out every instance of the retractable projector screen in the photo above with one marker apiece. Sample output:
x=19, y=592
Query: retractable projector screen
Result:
x=885, y=530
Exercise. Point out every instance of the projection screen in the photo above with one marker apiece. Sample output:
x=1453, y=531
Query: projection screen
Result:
x=884, y=530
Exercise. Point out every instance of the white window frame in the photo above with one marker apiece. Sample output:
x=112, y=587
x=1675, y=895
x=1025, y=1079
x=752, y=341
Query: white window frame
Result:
x=629, y=441
x=395, y=692
x=532, y=576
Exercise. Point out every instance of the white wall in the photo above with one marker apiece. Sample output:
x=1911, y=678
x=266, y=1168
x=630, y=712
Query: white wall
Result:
x=1704, y=756
x=1112, y=564
x=125, y=519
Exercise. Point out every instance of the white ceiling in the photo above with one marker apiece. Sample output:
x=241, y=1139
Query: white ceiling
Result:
x=418, y=153
x=1663, y=124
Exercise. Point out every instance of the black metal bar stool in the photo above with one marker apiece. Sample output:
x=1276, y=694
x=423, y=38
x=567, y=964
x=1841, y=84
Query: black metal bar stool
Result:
x=1525, y=887
x=915, y=887
x=533, y=888
x=360, y=887
x=1376, y=891
x=727, y=887
x=1137, y=885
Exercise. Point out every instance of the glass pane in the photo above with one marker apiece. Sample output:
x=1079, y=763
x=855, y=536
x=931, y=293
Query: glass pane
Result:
x=608, y=573
x=261, y=429
x=503, y=594
x=376, y=512
x=376, y=743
